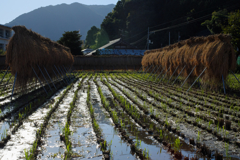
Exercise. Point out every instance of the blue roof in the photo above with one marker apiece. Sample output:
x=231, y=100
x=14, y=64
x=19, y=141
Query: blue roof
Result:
x=122, y=52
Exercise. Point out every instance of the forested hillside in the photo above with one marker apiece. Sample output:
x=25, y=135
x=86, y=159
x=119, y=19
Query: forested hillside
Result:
x=52, y=21
x=130, y=19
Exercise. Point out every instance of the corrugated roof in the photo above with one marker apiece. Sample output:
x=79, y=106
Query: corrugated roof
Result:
x=105, y=46
x=5, y=26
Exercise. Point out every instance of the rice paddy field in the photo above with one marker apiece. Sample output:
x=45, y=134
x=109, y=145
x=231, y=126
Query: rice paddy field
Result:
x=117, y=115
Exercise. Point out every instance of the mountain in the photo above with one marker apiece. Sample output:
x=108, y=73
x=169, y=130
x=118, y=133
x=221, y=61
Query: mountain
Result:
x=102, y=9
x=52, y=21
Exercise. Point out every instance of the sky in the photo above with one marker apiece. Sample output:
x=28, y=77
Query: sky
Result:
x=11, y=9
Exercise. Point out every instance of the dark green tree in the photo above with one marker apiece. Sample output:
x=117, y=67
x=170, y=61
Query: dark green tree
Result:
x=228, y=23
x=72, y=40
x=218, y=21
x=2, y=52
x=101, y=39
x=115, y=21
x=91, y=36
x=130, y=20
x=233, y=28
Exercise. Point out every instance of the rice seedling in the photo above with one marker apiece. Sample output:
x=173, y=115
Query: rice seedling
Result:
x=177, y=144
x=209, y=124
x=227, y=149
x=198, y=137
x=166, y=121
x=161, y=134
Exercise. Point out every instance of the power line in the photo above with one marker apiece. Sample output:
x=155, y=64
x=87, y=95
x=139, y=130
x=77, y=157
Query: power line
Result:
x=191, y=15
x=171, y=27
x=135, y=35
x=143, y=38
x=181, y=24
x=175, y=20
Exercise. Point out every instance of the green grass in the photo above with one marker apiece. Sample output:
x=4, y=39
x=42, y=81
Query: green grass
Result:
x=7, y=76
x=232, y=82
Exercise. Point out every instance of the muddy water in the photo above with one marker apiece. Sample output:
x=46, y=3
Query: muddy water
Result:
x=7, y=122
x=53, y=148
x=9, y=93
x=119, y=149
x=135, y=132
x=207, y=138
x=84, y=141
x=12, y=105
x=25, y=136
x=185, y=149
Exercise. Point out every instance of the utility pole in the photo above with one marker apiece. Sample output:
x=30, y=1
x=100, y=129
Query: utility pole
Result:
x=169, y=38
x=148, y=40
x=179, y=36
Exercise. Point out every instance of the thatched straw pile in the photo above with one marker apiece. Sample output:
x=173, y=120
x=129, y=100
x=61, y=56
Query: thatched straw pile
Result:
x=27, y=49
x=214, y=52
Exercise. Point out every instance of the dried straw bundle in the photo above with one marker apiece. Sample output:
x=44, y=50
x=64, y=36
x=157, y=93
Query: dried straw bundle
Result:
x=214, y=52
x=27, y=49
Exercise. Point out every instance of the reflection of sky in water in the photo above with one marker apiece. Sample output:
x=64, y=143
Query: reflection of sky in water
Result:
x=83, y=138
x=53, y=146
x=84, y=143
x=4, y=127
x=120, y=150
x=186, y=129
x=186, y=149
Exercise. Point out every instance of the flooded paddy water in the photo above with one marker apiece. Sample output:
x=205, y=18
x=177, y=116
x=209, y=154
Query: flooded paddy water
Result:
x=148, y=143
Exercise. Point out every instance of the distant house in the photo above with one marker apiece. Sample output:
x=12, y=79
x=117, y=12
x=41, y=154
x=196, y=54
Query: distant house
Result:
x=117, y=47
x=5, y=35
x=86, y=51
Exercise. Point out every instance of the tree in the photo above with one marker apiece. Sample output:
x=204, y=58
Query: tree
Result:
x=2, y=52
x=135, y=16
x=233, y=28
x=92, y=35
x=72, y=40
x=218, y=21
x=227, y=23
x=101, y=39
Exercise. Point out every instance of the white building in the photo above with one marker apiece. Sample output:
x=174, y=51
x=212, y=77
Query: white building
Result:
x=5, y=35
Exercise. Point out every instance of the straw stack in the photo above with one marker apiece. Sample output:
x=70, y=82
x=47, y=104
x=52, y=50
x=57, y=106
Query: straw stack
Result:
x=27, y=49
x=214, y=52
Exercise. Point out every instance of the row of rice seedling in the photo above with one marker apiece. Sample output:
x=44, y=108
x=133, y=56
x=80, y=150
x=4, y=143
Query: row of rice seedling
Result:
x=145, y=121
x=229, y=110
x=15, y=106
x=165, y=98
x=115, y=115
x=198, y=92
x=178, y=114
x=101, y=141
x=66, y=129
x=149, y=118
x=33, y=92
x=206, y=109
x=224, y=112
x=231, y=106
x=17, y=119
x=169, y=125
x=32, y=153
